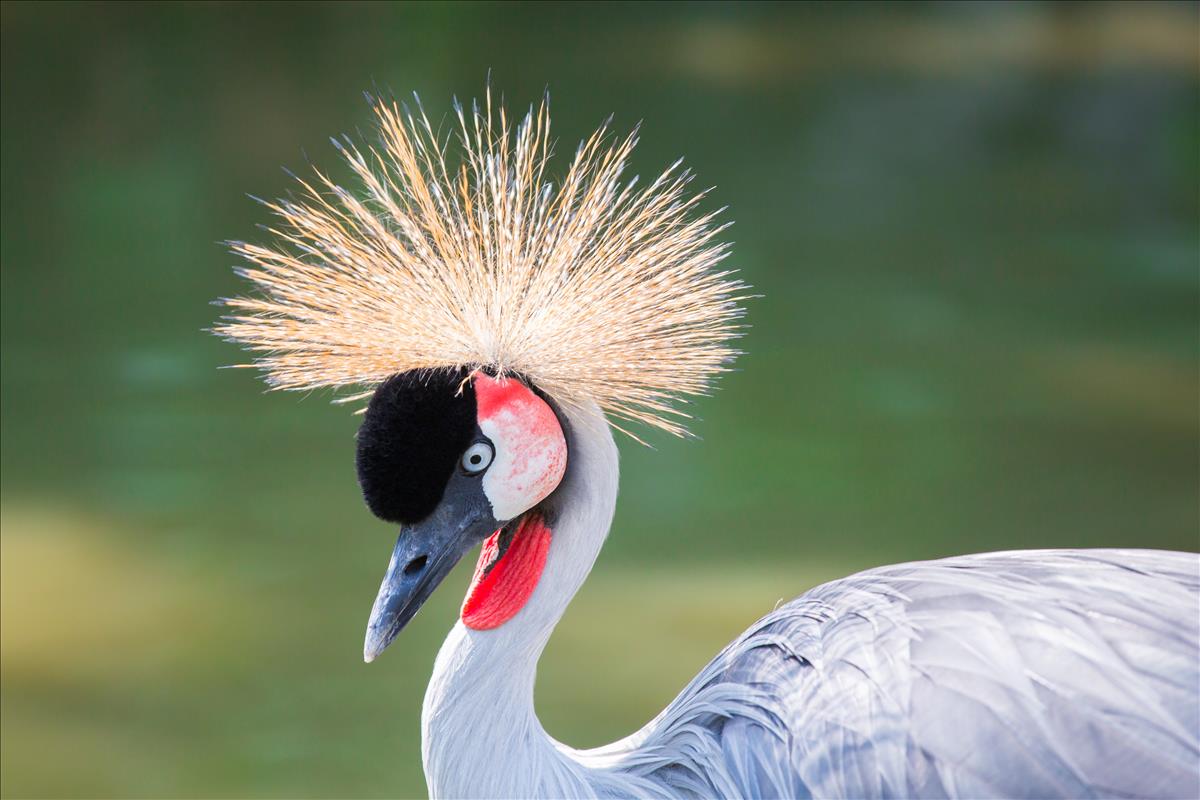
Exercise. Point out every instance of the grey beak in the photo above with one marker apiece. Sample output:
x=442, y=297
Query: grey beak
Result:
x=424, y=555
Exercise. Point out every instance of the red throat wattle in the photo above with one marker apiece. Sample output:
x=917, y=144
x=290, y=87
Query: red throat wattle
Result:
x=509, y=567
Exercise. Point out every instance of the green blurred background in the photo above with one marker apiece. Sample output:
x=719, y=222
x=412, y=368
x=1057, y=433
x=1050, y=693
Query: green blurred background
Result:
x=975, y=233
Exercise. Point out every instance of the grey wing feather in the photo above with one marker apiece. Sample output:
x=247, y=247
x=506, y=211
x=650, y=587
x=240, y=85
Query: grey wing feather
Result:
x=1026, y=674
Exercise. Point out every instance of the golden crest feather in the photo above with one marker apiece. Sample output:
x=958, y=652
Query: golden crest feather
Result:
x=590, y=287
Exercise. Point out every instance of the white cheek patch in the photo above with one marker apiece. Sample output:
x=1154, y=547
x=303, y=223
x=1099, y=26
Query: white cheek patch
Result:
x=531, y=452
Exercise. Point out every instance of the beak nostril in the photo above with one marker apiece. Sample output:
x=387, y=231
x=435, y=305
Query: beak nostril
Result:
x=416, y=565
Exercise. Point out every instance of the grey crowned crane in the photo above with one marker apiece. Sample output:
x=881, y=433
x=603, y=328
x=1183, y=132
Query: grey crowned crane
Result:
x=501, y=324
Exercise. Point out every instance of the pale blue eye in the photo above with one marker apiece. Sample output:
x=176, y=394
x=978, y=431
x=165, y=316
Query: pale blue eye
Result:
x=477, y=458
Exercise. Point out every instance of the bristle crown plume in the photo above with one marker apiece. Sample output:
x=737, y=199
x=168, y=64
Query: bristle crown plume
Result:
x=591, y=288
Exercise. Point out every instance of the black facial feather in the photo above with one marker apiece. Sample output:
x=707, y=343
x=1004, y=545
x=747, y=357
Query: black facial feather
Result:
x=416, y=427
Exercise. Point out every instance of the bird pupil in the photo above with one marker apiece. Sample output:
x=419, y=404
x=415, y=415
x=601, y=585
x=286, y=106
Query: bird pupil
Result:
x=475, y=459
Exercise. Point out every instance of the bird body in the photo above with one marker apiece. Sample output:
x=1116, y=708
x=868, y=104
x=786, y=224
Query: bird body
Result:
x=1043, y=673
x=499, y=324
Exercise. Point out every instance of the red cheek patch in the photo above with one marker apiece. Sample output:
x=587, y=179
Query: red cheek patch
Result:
x=531, y=451
x=492, y=395
x=505, y=578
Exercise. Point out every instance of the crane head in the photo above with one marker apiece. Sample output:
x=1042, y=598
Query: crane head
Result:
x=458, y=457
x=605, y=294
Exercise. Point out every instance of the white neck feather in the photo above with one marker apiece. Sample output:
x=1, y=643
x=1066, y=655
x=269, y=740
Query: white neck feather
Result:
x=480, y=733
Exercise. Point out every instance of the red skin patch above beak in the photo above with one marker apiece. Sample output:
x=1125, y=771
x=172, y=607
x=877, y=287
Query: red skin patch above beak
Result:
x=496, y=595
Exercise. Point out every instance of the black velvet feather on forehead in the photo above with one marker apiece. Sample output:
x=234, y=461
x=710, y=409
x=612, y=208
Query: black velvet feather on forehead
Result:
x=416, y=427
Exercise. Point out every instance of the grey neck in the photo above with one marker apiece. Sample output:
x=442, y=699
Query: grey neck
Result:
x=480, y=733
